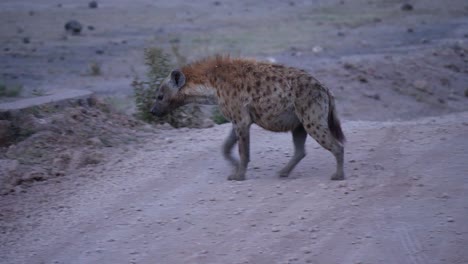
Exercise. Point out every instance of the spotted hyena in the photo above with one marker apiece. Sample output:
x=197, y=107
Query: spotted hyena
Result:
x=275, y=97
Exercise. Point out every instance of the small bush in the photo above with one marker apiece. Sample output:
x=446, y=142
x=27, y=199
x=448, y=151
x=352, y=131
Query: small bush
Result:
x=10, y=90
x=95, y=69
x=159, y=67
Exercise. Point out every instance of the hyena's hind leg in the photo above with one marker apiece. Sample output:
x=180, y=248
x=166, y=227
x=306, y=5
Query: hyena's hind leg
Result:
x=322, y=134
x=228, y=146
x=321, y=123
x=299, y=138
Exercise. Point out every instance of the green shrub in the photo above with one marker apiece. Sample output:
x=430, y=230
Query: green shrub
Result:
x=159, y=67
x=10, y=90
x=95, y=69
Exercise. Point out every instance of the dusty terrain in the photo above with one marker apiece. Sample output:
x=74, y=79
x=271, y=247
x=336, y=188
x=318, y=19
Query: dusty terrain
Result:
x=115, y=190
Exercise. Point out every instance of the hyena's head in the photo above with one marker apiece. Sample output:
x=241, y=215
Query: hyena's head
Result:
x=167, y=96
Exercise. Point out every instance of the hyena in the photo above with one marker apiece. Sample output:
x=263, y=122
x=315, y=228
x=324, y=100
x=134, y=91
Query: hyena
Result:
x=273, y=96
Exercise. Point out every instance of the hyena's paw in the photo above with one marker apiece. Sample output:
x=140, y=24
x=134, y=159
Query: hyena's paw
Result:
x=236, y=177
x=283, y=173
x=337, y=177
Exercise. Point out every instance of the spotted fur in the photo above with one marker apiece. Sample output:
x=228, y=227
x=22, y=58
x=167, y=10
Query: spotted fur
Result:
x=275, y=97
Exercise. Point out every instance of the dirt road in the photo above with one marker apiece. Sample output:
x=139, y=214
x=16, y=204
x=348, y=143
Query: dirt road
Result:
x=404, y=201
x=164, y=198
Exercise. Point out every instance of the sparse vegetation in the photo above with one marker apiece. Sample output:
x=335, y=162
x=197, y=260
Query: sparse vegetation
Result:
x=10, y=90
x=95, y=69
x=158, y=68
x=218, y=117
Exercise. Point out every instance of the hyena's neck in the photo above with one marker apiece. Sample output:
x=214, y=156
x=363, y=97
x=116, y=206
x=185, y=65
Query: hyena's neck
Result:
x=200, y=94
x=201, y=81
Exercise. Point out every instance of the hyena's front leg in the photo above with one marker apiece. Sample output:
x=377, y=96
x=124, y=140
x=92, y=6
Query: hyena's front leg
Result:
x=243, y=135
x=229, y=143
x=299, y=138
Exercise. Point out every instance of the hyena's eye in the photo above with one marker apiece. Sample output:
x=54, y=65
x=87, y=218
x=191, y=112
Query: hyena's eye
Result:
x=160, y=97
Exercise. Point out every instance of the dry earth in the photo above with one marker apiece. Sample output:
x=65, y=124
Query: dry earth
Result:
x=152, y=194
x=168, y=202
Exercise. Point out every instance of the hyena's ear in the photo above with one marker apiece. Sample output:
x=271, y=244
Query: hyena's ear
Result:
x=177, y=79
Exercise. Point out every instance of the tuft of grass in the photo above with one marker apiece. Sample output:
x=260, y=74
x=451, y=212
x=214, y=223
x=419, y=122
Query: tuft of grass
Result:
x=10, y=90
x=95, y=69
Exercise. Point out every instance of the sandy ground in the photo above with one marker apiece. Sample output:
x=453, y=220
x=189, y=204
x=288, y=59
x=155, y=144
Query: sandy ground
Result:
x=404, y=202
x=400, y=81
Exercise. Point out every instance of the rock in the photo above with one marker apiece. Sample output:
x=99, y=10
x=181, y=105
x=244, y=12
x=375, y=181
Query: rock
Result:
x=95, y=141
x=34, y=175
x=373, y=96
x=466, y=92
x=93, y=4
x=91, y=27
x=362, y=79
x=26, y=40
x=317, y=49
x=407, y=7
x=73, y=27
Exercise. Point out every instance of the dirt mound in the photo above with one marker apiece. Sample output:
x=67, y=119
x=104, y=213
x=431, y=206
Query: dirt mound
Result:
x=44, y=142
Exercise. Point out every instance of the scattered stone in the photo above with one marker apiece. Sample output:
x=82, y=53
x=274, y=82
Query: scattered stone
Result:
x=73, y=27
x=340, y=34
x=362, y=79
x=275, y=229
x=450, y=220
x=26, y=40
x=99, y=52
x=217, y=3
x=93, y=4
x=445, y=196
x=317, y=49
x=95, y=141
x=407, y=7
x=466, y=92
x=348, y=66
x=373, y=96
x=91, y=27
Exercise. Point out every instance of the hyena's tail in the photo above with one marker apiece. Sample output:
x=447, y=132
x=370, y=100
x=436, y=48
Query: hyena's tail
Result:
x=333, y=121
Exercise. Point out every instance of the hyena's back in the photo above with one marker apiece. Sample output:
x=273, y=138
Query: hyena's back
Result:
x=275, y=97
